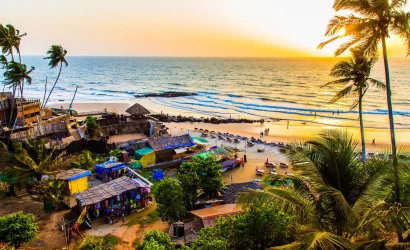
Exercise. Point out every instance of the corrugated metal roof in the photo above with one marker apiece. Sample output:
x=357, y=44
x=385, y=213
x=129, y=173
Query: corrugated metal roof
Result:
x=221, y=210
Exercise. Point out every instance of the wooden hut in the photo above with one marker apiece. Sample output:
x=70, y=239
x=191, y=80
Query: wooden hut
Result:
x=137, y=110
x=165, y=147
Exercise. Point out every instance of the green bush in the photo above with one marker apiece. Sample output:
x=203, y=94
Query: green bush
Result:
x=92, y=126
x=18, y=228
x=107, y=242
x=156, y=240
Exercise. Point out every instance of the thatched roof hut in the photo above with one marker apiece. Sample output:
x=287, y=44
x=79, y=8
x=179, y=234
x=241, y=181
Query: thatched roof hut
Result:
x=137, y=110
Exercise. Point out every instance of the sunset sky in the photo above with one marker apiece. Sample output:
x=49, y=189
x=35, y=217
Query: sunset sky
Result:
x=239, y=28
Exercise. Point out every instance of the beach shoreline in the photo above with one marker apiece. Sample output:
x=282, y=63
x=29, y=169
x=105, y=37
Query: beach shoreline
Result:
x=280, y=131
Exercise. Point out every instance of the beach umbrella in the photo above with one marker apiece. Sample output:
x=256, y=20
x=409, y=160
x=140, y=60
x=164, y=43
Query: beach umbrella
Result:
x=137, y=110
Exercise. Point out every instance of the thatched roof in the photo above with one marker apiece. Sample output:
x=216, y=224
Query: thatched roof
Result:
x=163, y=143
x=137, y=109
x=106, y=190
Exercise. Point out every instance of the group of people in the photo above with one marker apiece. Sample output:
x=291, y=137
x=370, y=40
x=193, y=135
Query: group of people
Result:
x=113, y=213
x=265, y=132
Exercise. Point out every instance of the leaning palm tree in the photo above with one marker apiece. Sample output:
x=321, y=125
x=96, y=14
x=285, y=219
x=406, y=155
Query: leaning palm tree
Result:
x=56, y=54
x=33, y=162
x=15, y=75
x=354, y=74
x=373, y=23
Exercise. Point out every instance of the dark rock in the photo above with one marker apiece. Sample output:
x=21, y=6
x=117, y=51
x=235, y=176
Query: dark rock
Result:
x=166, y=94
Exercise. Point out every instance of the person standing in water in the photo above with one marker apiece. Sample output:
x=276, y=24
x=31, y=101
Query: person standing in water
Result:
x=374, y=141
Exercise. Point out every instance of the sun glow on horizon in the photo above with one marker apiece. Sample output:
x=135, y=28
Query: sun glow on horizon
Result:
x=231, y=28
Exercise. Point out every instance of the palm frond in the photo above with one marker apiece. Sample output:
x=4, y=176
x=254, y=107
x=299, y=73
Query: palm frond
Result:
x=319, y=241
x=377, y=83
x=339, y=81
x=342, y=93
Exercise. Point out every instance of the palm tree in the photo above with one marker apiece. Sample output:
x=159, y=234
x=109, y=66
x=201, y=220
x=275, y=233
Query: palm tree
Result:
x=338, y=201
x=15, y=75
x=33, y=162
x=53, y=190
x=10, y=39
x=56, y=54
x=355, y=75
x=375, y=20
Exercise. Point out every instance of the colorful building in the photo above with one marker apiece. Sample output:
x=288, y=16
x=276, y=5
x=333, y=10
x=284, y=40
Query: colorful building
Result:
x=145, y=156
x=77, y=180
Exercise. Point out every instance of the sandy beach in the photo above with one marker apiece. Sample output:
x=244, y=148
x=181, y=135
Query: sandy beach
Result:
x=279, y=132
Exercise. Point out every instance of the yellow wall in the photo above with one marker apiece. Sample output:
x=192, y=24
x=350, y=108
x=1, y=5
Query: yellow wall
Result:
x=148, y=159
x=78, y=185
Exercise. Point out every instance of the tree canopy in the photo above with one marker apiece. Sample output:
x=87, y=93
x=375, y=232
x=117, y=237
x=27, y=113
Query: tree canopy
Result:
x=169, y=197
x=262, y=225
x=156, y=240
x=18, y=228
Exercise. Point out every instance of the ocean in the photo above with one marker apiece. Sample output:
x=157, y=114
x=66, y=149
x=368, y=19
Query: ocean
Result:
x=269, y=88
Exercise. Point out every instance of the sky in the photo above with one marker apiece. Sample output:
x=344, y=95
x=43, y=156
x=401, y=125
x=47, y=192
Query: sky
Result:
x=199, y=28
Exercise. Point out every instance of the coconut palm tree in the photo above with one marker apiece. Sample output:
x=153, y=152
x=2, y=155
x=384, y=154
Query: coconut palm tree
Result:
x=33, y=162
x=354, y=74
x=56, y=54
x=372, y=24
x=15, y=75
x=9, y=40
x=338, y=201
x=53, y=190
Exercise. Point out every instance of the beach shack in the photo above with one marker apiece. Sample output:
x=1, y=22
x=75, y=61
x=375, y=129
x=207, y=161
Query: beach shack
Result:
x=166, y=148
x=224, y=155
x=110, y=170
x=76, y=179
x=145, y=156
x=132, y=191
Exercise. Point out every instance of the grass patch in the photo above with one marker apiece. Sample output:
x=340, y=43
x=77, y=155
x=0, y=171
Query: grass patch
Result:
x=106, y=242
x=147, y=216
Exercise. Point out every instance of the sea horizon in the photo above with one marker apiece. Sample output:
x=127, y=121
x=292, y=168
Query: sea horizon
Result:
x=288, y=88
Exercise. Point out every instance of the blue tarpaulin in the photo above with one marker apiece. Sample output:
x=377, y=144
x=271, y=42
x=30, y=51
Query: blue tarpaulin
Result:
x=107, y=167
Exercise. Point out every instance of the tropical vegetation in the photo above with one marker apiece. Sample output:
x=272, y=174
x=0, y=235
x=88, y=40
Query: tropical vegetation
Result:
x=354, y=76
x=262, y=225
x=155, y=239
x=370, y=23
x=207, y=173
x=85, y=160
x=92, y=126
x=56, y=54
x=17, y=229
x=336, y=201
x=32, y=161
x=168, y=195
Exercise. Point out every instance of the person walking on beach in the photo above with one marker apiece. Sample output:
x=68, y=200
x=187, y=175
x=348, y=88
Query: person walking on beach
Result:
x=243, y=166
x=231, y=178
x=374, y=141
x=287, y=126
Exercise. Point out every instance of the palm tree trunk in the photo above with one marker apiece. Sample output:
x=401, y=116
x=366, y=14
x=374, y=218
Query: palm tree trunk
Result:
x=362, y=130
x=21, y=100
x=12, y=104
x=391, y=121
x=51, y=91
